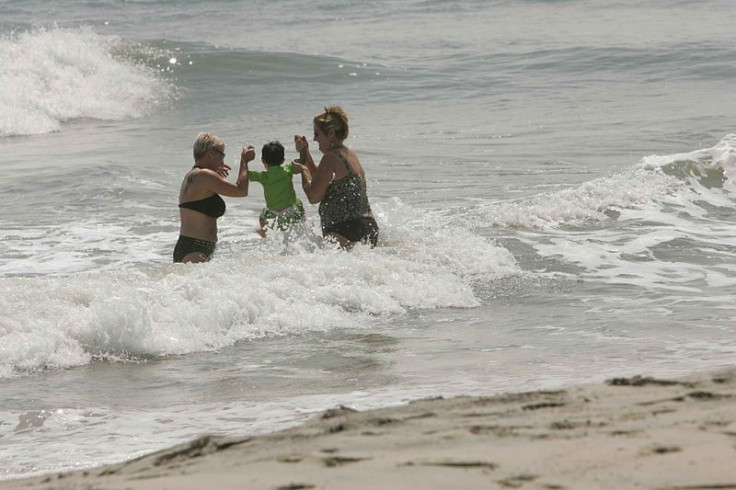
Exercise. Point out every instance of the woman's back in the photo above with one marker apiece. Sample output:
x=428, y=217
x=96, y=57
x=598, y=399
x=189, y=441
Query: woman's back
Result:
x=346, y=197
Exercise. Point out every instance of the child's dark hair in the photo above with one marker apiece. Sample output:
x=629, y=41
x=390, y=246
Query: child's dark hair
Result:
x=273, y=153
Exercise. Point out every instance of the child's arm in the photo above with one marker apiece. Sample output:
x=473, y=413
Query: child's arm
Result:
x=306, y=177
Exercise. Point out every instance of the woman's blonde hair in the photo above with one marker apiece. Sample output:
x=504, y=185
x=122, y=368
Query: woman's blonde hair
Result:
x=204, y=142
x=333, y=118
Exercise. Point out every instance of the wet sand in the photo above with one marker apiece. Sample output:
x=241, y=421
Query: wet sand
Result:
x=636, y=432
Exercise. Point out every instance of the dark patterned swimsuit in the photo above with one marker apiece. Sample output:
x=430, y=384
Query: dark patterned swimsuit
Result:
x=345, y=210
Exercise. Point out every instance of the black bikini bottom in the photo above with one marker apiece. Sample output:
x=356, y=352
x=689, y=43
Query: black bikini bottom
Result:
x=187, y=245
x=364, y=229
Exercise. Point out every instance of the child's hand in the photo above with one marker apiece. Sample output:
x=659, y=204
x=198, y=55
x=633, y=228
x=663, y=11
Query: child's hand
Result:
x=300, y=143
x=297, y=168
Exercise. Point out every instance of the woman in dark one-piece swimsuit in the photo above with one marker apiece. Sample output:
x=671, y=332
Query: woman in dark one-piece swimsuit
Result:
x=338, y=184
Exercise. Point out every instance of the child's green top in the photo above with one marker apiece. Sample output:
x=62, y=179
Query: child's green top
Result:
x=277, y=185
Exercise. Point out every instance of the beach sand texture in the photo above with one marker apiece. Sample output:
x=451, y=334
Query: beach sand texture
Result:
x=635, y=432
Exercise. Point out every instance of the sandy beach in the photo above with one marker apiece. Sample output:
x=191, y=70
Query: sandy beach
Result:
x=635, y=432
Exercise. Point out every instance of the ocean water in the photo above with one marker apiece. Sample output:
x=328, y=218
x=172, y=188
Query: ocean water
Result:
x=554, y=182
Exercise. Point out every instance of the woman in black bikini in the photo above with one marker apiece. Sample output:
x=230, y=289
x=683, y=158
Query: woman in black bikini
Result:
x=200, y=203
x=338, y=184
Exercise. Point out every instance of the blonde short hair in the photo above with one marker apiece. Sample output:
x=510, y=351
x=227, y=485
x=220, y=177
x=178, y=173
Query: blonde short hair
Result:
x=333, y=118
x=204, y=142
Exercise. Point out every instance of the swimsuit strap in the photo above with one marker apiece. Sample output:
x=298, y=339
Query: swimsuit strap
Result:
x=345, y=161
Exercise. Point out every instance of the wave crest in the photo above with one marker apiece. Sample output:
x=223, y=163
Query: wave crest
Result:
x=650, y=183
x=51, y=76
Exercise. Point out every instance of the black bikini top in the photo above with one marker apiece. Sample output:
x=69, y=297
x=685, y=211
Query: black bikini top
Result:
x=212, y=206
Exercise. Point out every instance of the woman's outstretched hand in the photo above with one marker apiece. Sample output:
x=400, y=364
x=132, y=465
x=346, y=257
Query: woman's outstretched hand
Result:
x=300, y=143
x=223, y=170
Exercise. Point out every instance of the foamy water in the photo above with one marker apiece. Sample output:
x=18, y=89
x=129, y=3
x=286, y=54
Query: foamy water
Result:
x=52, y=76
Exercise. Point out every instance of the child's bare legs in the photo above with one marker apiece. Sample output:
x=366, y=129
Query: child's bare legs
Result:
x=261, y=230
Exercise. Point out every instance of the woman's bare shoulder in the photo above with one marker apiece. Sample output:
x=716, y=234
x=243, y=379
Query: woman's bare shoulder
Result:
x=331, y=158
x=354, y=162
x=198, y=182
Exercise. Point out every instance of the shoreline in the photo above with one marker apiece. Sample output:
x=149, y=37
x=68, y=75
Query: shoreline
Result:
x=635, y=432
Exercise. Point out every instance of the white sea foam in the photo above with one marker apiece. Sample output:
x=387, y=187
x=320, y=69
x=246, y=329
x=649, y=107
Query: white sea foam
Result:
x=253, y=289
x=629, y=228
x=50, y=76
x=672, y=179
x=592, y=201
